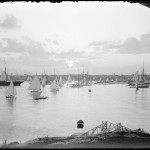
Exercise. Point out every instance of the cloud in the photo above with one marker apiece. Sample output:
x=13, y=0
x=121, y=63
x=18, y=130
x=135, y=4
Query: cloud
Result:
x=10, y=22
x=101, y=47
x=48, y=40
x=51, y=42
x=134, y=46
x=25, y=47
x=41, y=63
x=55, y=42
x=34, y=66
x=98, y=43
x=130, y=46
x=70, y=54
x=27, y=53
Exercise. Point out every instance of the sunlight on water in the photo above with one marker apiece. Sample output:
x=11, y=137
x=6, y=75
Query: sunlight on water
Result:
x=25, y=118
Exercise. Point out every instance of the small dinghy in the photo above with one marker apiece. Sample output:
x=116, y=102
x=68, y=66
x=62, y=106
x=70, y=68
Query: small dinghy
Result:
x=10, y=96
x=80, y=124
x=11, y=91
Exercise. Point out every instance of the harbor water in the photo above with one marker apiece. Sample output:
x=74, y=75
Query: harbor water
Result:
x=24, y=118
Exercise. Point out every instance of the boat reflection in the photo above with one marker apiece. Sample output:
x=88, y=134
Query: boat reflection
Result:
x=35, y=95
x=11, y=101
x=54, y=91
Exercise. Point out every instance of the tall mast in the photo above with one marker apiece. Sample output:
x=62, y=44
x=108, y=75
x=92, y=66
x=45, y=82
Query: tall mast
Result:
x=83, y=75
x=87, y=74
x=5, y=65
x=143, y=67
x=54, y=71
x=143, y=72
x=5, y=70
x=78, y=76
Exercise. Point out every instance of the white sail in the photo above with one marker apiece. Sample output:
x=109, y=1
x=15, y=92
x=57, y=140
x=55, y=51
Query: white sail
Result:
x=60, y=82
x=136, y=78
x=69, y=79
x=54, y=85
x=116, y=79
x=35, y=85
x=11, y=90
x=44, y=82
x=28, y=79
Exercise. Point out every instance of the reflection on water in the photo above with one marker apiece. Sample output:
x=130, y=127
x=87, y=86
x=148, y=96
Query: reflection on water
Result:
x=35, y=95
x=11, y=101
x=54, y=92
x=25, y=118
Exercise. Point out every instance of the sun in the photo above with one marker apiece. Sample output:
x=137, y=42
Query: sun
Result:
x=70, y=63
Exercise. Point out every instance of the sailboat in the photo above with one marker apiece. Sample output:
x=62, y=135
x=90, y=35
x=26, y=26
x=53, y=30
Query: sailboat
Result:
x=85, y=81
x=54, y=85
x=90, y=83
x=43, y=85
x=60, y=82
x=99, y=82
x=107, y=80
x=11, y=91
x=136, y=79
x=5, y=79
x=142, y=82
x=69, y=79
x=29, y=79
x=78, y=84
x=35, y=86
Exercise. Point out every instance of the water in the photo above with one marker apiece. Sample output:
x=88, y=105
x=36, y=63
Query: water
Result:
x=24, y=118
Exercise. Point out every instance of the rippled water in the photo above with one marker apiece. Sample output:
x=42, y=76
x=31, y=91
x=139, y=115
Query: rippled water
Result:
x=24, y=118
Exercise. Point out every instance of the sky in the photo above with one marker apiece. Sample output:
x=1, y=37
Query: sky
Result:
x=69, y=37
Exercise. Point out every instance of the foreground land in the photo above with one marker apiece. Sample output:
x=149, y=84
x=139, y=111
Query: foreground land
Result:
x=121, y=139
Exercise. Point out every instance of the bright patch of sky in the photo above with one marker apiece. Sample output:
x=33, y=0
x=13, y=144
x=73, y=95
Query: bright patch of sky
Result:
x=105, y=37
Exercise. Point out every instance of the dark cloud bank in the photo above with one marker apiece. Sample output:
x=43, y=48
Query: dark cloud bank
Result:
x=129, y=46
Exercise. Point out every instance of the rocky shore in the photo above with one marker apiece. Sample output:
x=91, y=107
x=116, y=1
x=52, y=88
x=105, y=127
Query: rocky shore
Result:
x=120, y=139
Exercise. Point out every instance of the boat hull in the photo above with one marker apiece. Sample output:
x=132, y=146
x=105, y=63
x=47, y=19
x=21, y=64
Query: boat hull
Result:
x=7, y=83
x=38, y=98
x=10, y=96
x=145, y=86
x=35, y=92
x=76, y=86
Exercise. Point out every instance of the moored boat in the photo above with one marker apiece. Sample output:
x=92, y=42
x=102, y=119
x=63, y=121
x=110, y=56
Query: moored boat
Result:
x=43, y=85
x=5, y=79
x=39, y=98
x=139, y=81
x=55, y=86
x=7, y=83
x=35, y=86
x=11, y=91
